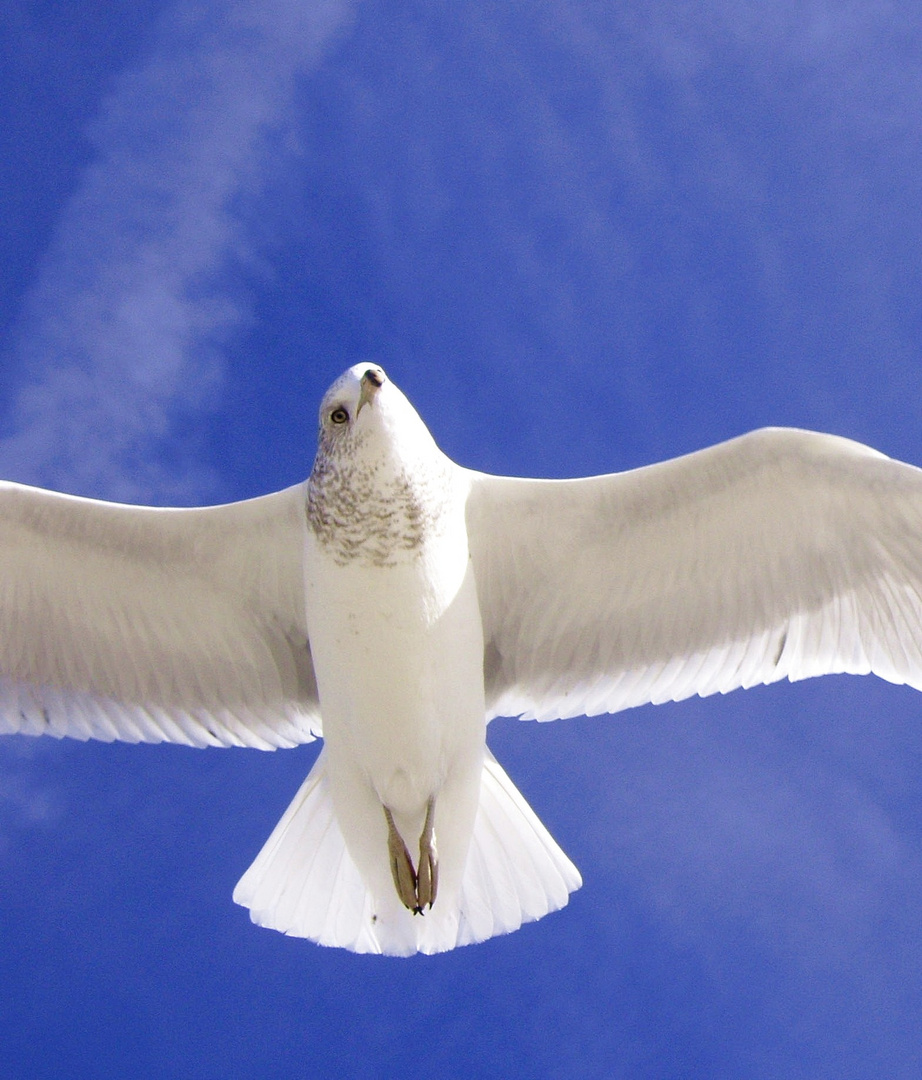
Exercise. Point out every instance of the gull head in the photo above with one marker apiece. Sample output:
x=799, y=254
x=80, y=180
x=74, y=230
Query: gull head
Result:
x=379, y=482
x=343, y=404
x=364, y=416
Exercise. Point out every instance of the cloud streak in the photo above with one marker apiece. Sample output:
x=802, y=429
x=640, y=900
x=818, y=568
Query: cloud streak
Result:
x=122, y=330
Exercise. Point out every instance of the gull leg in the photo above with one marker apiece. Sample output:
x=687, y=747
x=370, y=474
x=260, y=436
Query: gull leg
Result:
x=427, y=884
x=401, y=865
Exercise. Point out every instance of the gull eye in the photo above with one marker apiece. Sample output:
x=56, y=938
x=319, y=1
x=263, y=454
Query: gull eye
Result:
x=339, y=416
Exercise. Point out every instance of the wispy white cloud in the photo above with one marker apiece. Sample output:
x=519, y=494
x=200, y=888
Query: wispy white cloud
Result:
x=25, y=797
x=753, y=833
x=121, y=332
x=123, y=327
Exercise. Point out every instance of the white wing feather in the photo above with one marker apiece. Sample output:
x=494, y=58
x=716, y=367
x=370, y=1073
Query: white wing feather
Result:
x=151, y=625
x=782, y=553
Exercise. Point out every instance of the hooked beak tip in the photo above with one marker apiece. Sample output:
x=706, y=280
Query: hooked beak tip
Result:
x=372, y=381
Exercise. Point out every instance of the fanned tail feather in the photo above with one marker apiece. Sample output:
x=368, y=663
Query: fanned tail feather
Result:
x=305, y=883
x=515, y=871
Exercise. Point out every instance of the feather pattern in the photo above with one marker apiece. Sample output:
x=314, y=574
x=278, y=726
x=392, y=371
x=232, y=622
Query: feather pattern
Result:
x=780, y=554
x=305, y=883
x=152, y=625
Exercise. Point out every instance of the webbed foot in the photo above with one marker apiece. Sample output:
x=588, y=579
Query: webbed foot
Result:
x=427, y=884
x=401, y=864
x=417, y=890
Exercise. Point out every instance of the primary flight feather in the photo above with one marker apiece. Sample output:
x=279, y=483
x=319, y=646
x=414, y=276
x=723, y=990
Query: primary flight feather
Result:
x=395, y=602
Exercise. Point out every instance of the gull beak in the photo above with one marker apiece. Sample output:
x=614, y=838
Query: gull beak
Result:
x=372, y=381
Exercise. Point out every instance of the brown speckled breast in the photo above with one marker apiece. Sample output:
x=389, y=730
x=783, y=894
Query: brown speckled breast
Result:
x=359, y=513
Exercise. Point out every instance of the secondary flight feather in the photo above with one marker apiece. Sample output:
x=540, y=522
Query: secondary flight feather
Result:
x=394, y=602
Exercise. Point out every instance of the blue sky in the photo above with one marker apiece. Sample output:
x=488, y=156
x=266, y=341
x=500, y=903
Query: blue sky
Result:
x=581, y=237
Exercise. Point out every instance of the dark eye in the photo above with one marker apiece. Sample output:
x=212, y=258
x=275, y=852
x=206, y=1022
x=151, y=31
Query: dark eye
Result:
x=339, y=416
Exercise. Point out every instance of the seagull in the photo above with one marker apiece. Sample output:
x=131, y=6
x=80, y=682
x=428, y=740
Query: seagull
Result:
x=394, y=602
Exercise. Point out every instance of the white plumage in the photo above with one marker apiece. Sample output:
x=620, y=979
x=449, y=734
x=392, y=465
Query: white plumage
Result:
x=406, y=601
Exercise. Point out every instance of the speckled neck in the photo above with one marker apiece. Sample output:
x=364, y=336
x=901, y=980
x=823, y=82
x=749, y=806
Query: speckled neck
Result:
x=375, y=511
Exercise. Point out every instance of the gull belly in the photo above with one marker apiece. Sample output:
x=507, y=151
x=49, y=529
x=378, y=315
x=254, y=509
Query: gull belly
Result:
x=398, y=652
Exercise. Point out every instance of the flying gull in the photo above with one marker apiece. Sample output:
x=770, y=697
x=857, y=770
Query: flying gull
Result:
x=404, y=601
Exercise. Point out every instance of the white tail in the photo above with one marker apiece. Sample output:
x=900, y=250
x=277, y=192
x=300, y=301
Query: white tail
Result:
x=305, y=883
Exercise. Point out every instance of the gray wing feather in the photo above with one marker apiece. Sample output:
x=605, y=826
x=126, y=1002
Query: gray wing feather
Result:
x=151, y=625
x=782, y=553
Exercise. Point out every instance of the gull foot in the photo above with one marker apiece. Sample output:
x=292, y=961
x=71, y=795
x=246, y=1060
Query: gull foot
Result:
x=416, y=890
x=401, y=865
x=427, y=882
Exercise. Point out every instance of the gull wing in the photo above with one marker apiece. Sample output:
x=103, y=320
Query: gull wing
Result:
x=152, y=625
x=782, y=553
